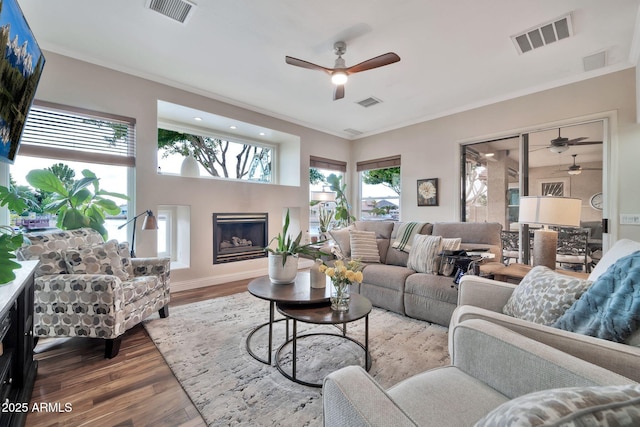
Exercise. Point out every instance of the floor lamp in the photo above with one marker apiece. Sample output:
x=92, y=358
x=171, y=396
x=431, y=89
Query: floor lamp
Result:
x=546, y=211
x=150, y=223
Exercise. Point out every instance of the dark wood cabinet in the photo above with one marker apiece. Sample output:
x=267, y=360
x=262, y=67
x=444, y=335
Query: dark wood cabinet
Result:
x=17, y=367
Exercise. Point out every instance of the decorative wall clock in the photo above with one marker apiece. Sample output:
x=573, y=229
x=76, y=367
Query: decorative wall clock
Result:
x=596, y=201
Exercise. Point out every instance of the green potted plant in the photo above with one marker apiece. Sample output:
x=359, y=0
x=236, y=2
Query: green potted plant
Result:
x=283, y=258
x=10, y=240
x=342, y=213
x=75, y=205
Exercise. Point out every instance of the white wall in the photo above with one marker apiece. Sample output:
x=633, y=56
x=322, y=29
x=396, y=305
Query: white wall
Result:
x=80, y=84
x=431, y=149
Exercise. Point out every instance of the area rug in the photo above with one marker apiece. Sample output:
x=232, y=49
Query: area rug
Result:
x=204, y=345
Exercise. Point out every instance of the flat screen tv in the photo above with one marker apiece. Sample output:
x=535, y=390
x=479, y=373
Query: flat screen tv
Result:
x=21, y=65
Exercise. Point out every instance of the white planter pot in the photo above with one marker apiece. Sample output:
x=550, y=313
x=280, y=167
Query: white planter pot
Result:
x=279, y=274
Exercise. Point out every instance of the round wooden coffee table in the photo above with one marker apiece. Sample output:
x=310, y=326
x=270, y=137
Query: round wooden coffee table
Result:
x=298, y=292
x=322, y=314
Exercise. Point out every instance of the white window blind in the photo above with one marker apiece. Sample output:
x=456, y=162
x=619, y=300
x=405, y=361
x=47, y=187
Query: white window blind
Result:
x=67, y=133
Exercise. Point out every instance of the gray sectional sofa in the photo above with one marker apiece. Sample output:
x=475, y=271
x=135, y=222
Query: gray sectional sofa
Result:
x=393, y=286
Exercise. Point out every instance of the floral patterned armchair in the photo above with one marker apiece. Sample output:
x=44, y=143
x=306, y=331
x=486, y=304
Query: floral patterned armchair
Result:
x=86, y=287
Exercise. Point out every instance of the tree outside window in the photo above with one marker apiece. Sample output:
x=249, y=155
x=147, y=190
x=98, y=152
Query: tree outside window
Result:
x=216, y=157
x=380, y=193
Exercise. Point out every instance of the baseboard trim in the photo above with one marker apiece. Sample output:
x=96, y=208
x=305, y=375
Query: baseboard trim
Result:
x=186, y=285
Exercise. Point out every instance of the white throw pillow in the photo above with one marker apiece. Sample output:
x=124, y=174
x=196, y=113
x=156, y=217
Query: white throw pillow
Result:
x=544, y=295
x=423, y=256
x=621, y=248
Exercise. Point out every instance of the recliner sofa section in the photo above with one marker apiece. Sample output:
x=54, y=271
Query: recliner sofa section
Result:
x=430, y=297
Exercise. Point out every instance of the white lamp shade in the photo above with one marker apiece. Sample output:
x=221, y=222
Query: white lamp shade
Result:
x=323, y=196
x=547, y=210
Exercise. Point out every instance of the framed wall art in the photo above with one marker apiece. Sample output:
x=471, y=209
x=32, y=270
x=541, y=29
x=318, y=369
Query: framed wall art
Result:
x=428, y=192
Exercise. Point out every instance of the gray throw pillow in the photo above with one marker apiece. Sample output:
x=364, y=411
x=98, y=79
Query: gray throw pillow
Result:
x=570, y=407
x=343, y=239
x=96, y=259
x=544, y=295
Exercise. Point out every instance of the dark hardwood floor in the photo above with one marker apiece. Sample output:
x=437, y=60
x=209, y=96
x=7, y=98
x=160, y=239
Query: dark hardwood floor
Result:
x=136, y=388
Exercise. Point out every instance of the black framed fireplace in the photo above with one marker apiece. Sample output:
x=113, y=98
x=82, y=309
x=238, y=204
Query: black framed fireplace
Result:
x=239, y=236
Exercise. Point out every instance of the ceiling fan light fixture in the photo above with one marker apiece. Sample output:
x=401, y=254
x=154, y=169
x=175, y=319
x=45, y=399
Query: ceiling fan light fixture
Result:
x=339, y=77
x=575, y=171
x=559, y=148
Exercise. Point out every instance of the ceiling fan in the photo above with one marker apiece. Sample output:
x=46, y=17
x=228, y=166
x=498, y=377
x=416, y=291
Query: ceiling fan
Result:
x=562, y=144
x=340, y=72
x=575, y=169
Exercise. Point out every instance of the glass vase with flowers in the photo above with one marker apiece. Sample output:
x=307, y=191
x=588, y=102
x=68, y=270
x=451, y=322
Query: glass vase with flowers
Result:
x=342, y=275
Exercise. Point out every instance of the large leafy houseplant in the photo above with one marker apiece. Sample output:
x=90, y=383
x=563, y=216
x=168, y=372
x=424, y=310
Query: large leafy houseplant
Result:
x=75, y=205
x=342, y=213
x=10, y=240
x=286, y=246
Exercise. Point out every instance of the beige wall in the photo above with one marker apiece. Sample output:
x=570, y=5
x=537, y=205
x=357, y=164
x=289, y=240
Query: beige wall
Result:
x=80, y=84
x=431, y=149
x=581, y=186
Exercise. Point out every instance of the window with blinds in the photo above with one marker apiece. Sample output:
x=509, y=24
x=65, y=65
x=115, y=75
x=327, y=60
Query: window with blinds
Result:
x=66, y=133
x=380, y=188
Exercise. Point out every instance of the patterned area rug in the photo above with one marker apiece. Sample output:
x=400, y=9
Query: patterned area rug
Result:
x=204, y=344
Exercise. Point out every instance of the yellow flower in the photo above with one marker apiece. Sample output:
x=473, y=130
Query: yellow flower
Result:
x=338, y=263
x=341, y=269
x=350, y=275
x=330, y=272
x=358, y=276
x=322, y=268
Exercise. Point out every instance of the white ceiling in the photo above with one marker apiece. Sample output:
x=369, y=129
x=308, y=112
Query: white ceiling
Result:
x=455, y=55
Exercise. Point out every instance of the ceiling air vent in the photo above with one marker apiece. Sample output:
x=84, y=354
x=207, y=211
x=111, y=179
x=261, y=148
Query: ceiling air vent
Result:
x=178, y=10
x=595, y=61
x=353, y=132
x=543, y=35
x=369, y=102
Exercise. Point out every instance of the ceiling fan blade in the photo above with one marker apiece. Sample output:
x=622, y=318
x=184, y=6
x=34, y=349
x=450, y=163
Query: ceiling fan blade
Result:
x=378, y=61
x=585, y=142
x=304, y=64
x=546, y=147
x=338, y=92
x=576, y=140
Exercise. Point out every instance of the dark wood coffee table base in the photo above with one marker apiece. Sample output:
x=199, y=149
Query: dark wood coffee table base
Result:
x=359, y=307
x=298, y=292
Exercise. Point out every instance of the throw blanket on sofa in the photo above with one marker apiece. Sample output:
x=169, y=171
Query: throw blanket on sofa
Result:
x=610, y=308
x=405, y=235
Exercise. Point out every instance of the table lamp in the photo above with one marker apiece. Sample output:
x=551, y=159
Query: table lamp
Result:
x=150, y=223
x=546, y=211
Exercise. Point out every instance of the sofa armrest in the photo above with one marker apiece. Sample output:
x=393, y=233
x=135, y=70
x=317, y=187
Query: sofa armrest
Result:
x=514, y=365
x=350, y=397
x=160, y=267
x=620, y=358
x=482, y=292
x=79, y=305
